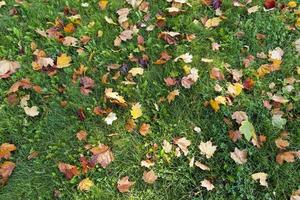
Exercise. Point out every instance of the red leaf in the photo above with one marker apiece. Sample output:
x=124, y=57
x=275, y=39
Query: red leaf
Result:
x=269, y=4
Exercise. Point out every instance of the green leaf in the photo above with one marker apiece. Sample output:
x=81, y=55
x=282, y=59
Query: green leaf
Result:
x=278, y=121
x=247, y=129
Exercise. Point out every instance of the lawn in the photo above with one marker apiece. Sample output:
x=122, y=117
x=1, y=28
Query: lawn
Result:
x=188, y=99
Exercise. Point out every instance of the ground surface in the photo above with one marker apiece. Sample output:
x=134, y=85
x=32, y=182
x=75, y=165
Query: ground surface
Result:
x=52, y=134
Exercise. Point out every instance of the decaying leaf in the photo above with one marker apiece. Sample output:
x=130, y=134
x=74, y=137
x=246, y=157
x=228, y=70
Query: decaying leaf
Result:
x=101, y=155
x=262, y=177
x=207, y=149
x=207, y=184
x=239, y=156
x=149, y=177
x=6, y=170
x=124, y=184
x=68, y=170
x=183, y=144
x=6, y=149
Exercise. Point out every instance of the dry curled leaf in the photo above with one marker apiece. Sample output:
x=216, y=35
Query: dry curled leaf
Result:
x=124, y=184
x=144, y=129
x=183, y=144
x=288, y=156
x=6, y=170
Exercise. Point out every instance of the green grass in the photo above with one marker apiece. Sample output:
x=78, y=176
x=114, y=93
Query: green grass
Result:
x=52, y=133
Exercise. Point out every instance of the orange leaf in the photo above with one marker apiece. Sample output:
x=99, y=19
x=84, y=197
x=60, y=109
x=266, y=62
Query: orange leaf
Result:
x=68, y=170
x=101, y=155
x=6, y=149
x=144, y=129
x=6, y=169
x=124, y=184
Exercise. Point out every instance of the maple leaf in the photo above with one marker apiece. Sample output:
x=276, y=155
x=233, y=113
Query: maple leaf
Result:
x=262, y=177
x=239, y=156
x=68, y=170
x=149, y=177
x=101, y=155
x=124, y=184
x=63, y=61
x=7, y=68
x=114, y=97
x=239, y=116
x=85, y=184
x=6, y=149
x=207, y=149
x=136, y=71
x=207, y=184
x=171, y=96
x=288, y=156
x=183, y=144
x=81, y=135
x=69, y=41
x=6, y=170
x=136, y=111
x=247, y=129
x=144, y=129
x=187, y=58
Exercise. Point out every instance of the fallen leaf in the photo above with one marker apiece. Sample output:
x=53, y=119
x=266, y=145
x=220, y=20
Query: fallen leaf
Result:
x=85, y=184
x=86, y=85
x=101, y=155
x=295, y=195
x=288, y=156
x=281, y=143
x=114, y=96
x=111, y=117
x=81, y=135
x=6, y=170
x=149, y=177
x=253, y=9
x=63, y=61
x=187, y=58
x=269, y=4
x=207, y=149
x=235, y=89
x=202, y=166
x=213, y=22
x=124, y=184
x=7, y=68
x=31, y=111
x=68, y=170
x=6, y=149
x=183, y=144
x=69, y=41
x=167, y=147
x=247, y=129
x=136, y=71
x=234, y=135
x=207, y=184
x=171, y=96
x=103, y=4
x=262, y=177
x=144, y=129
x=147, y=163
x=136, y=111
x=239, y=116
x=239, y=156
x=134, y=3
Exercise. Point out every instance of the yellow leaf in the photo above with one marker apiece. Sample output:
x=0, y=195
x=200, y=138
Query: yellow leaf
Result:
x=292, y=4
x=85, y=184
x=215, y=105
x=136, y=71
x=186, y=69
x=220, y=100
x=103, y=4
x=63, y=61
x=235, y=89
x=263, y=70
x=171, y=96
x=136, y=111
x=214, y=22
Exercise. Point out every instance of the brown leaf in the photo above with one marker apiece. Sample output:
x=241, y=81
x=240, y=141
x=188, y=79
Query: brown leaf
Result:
x=234, y=135
x=81, y=135
x=87, y=84
x=171, y=96
x=239, y=116
x=101, y=155
x=6, y=149
x=183, y=144
x=130, y=125
x=6, y=170
x=144, y=129
x=80, y=114
x=248, y=84
x=281, y=143
x=149, y=177
x=7, y=68
x=239, y=156
x=170, y=81
x=124, y=184
x=288, y=156
x=164, y=58
x=269, y=4
x=68, y=170
x=216, y=74
x=23, y=83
